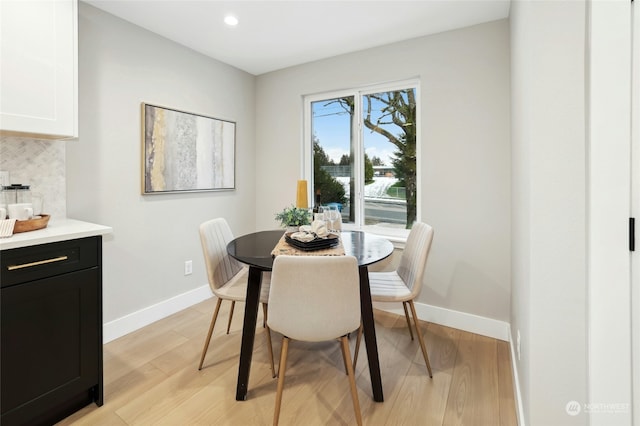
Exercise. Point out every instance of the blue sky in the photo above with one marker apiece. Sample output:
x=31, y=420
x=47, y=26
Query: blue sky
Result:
x=331, y=127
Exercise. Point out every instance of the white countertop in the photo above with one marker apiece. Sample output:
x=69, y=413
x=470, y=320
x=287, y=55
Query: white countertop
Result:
x=56, y=230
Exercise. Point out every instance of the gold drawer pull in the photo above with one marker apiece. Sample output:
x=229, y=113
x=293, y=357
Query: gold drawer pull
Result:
x=39, y=262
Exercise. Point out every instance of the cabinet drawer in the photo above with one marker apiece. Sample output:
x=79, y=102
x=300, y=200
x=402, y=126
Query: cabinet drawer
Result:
x=46, y=260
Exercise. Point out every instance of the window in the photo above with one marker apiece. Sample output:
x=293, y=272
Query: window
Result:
x=361, y=154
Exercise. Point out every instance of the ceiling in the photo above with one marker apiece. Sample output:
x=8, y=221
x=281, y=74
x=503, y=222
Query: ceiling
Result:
x=272, y=34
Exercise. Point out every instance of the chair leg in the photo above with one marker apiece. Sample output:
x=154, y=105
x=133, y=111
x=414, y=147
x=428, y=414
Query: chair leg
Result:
x=420, y=338
x=344, y=358
x=406, y=315
x=269, y=345
x=352, y=380
x=264, y=314
x=233, y=305
x=281, y=371
x=355, y=355
x=213, y=323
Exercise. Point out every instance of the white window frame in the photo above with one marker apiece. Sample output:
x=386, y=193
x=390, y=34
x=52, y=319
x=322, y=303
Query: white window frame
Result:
x=393, y=234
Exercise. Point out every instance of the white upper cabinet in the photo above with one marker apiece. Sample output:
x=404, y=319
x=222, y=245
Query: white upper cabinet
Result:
x=38, y=68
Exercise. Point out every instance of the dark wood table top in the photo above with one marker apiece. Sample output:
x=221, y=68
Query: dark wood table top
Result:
x=255, y=249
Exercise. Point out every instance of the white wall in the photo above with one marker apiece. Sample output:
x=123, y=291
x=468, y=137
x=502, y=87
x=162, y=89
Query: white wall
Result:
x=549, y=179
x=464, y=151
x=121, y=66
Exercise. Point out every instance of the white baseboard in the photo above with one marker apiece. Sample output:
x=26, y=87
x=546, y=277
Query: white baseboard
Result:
x=133, y=321
x=461, y=320
x=516, y=383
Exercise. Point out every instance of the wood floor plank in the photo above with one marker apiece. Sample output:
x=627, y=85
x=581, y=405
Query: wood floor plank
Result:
x=316, y=385
x=508, y=416
x=158, y=402
x=442, y=346
x=136, y=349
x=395, y=351
x=190, y=322
x=118, y=393
x=417, y=389
x=398, y=354
x=212, y=404
x=88, y=416
x=151, y=377
x=473, y=396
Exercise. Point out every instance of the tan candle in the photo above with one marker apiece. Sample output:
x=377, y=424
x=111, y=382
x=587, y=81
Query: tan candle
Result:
x=301, y=199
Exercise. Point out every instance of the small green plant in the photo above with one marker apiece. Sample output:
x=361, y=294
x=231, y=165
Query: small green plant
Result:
x=294, y=216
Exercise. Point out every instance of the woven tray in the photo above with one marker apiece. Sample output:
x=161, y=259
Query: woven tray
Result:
x=31, y=224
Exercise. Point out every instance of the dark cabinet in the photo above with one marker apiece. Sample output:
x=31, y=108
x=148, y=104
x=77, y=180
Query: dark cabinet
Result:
x=50, y=330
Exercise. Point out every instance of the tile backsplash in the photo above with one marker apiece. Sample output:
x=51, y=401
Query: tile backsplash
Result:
x=40, y=164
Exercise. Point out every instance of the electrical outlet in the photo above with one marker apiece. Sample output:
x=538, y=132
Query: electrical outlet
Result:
x=518, y=344
x=188, y=267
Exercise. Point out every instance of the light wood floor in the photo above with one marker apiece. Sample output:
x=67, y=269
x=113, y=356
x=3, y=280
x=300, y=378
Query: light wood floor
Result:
x=151, y=377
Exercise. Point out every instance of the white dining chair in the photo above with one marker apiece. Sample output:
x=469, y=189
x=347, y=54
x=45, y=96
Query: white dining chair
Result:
x=404, y=284
x=314, y=299
x=227, y=277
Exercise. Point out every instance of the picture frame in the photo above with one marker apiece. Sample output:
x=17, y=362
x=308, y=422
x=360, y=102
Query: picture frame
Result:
x=186, y=152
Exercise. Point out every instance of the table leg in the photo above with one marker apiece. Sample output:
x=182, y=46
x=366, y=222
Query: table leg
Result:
x=366, y=308
x=248, y=331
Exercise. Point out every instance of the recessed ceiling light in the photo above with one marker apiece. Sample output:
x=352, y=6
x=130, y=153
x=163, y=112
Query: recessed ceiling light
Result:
x=231, y=20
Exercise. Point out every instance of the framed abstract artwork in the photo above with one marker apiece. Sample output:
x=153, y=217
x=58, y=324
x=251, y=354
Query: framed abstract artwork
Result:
x=183, y=151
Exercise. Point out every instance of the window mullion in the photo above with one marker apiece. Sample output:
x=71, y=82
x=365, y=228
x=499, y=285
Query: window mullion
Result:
x=358, y=159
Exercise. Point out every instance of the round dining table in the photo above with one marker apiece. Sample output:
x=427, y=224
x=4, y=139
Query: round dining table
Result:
x=255, y=250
